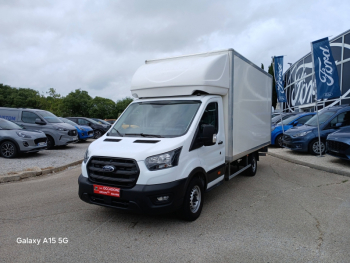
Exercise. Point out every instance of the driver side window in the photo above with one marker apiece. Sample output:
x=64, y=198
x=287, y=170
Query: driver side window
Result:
x=29, y=117
x=209, y=117
x=343, y=119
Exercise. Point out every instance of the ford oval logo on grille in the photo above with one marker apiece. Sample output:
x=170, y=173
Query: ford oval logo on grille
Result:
x=108, y=168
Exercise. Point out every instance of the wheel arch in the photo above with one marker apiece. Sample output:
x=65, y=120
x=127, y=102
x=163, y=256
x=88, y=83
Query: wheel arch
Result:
x=11, y=140
x=200, y=172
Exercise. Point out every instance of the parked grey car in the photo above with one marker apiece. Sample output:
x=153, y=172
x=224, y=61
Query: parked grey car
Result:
x=15, y=139
x=56, y=131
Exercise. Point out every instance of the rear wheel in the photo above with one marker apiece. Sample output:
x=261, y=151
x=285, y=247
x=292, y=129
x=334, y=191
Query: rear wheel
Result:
x=8, y=149
x=193, y=203
x=50, y=142
x=278, y=141
x=252, y=160
x=314, y=147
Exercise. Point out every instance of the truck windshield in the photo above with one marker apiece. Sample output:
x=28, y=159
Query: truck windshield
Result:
x=322, y=116
x=49, y=117
x=8, y=125
x=156, y=119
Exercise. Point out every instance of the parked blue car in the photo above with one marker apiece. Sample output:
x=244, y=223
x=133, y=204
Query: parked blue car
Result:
x=338, y=143
x=84, y=132
x=305, y=138
x=293, y=121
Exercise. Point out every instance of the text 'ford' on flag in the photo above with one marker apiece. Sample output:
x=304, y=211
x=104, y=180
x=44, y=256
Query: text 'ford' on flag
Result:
x=278, y=71
x=326, y=73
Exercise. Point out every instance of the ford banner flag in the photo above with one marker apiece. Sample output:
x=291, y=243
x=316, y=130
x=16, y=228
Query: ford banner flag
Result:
x=278, y=71
x=326, y=73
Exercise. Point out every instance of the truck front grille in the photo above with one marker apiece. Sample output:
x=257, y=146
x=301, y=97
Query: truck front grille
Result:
x=113, y=171
x=337, y=146
x=72, y=132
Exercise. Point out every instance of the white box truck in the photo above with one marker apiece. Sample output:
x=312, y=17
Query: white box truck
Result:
x=198, y=120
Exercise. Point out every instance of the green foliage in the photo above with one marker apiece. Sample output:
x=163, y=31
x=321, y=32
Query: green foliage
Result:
x=274, y=93
x=76, y=103
x=262, y=65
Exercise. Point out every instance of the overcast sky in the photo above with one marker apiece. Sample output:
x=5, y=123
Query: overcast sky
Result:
x=98, y=45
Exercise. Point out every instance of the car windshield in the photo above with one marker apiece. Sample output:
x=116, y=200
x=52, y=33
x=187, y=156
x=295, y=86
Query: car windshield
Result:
x=68, y=121
x=102, y=121
x=8, y=125
x=278, y=118
x=322, y=117
x=156, y=119
x=289, y=120
x=49, y=117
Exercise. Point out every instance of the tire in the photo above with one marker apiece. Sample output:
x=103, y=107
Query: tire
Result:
x=252, y=160
x=8, y=149
x=193, y=202
x=82, y=140
x=50, y=142
x=278, y=141
x=314, y=147
x=97, y=134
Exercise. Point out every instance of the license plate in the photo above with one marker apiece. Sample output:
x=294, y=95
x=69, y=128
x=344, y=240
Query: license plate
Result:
x=41, y=144
x=106, y=190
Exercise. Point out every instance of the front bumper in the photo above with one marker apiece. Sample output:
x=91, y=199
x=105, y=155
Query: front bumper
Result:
x=338, y=149
x=32, y=145
x=85, y=134
x=66, y=139
x=140, y=198
x=300, y=144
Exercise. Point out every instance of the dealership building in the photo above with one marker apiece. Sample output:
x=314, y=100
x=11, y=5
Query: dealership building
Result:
x=300, y=82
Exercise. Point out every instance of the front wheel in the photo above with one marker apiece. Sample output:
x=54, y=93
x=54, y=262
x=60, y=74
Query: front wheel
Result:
x=193, y=203
x=278, y=141
x=8, y=149
x=314, y=147
x=50, y=142
x=252, y=160
x=98, y=134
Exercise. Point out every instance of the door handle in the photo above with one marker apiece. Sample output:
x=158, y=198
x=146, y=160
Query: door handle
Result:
x=220, y=142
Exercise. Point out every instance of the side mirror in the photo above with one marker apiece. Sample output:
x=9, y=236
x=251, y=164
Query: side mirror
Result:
x=338, y=125
x=295, y=123
x=208, y=136
x=39, y=121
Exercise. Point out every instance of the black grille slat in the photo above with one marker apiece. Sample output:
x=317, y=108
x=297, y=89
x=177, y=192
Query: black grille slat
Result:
x=36, y=141
x=113, y=163
x=105, y=178
x=337, y=146
x=121, y=172
x=72, y=132
x=112, y=140
x=125, y=173
x=146, y=141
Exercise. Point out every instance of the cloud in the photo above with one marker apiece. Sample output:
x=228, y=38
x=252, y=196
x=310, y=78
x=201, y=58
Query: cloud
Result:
x=98, y=45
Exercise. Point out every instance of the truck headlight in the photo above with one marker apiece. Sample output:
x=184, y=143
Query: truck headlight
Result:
x=86, y=156
x=301, y=134
x=23, y=135
x=164, y=160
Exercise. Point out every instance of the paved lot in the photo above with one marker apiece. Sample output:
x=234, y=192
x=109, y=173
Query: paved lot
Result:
x=47, y=158
x=286, y=213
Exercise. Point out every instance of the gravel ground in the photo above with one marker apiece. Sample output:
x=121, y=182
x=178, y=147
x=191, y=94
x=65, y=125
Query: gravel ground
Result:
x=47, y=158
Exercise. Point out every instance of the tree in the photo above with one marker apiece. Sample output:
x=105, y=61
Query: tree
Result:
x=121, y=105
x=77, y=103
x=262, y=65
x=102, y=108
x=274, y=93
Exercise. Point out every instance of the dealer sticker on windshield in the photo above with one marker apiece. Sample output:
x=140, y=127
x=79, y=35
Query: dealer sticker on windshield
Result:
x=106, y=190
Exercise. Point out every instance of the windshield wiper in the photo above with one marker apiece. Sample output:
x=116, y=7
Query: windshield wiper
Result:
x=145, y=135
x=121, y=135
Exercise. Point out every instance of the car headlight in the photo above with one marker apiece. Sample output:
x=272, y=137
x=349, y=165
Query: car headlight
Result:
x=23, y=135
x=301, y=134
x=86, y=156
x=61, y=129
x=164, y=160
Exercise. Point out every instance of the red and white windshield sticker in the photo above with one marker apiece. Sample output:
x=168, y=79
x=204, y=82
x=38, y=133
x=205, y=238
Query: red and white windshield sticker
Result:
x=106, y=190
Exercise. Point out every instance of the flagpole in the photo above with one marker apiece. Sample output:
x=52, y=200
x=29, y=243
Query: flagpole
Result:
x=318, y=122
x=273, y=67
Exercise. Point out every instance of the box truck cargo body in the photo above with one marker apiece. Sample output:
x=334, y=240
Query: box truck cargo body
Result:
x=196, y=121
